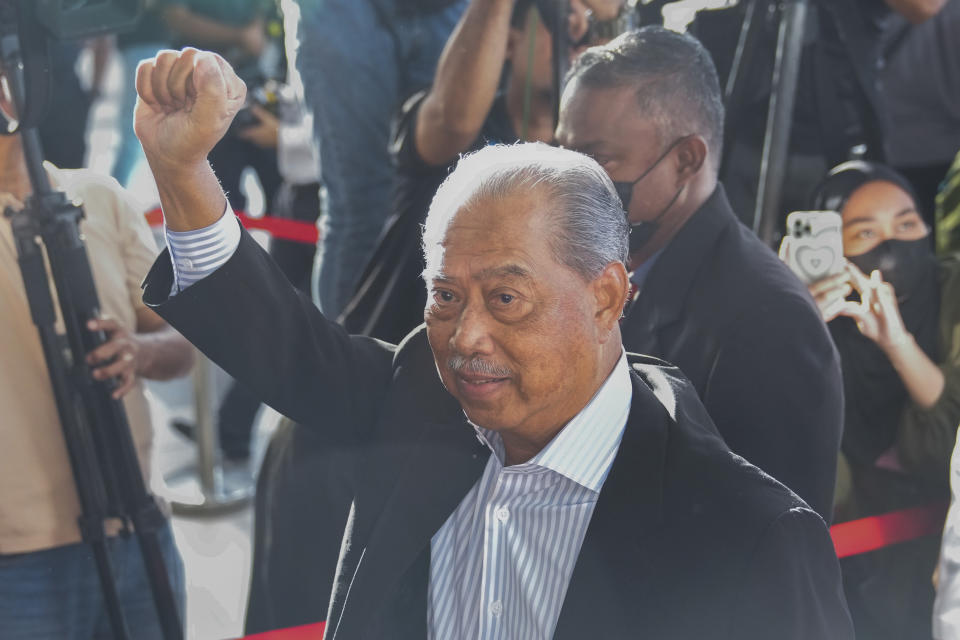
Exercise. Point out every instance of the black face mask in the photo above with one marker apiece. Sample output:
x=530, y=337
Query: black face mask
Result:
x=641, y=232
x=903, y=263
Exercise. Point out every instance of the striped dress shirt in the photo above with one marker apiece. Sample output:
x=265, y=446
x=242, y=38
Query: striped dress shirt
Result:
x=196, y=254
x=501, y=563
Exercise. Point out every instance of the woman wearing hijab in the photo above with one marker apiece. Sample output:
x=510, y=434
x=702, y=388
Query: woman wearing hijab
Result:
x=894, y=314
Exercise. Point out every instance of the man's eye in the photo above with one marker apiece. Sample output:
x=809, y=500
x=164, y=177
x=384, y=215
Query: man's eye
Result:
x=505, y=298
x=866, y=234
x=443, y=296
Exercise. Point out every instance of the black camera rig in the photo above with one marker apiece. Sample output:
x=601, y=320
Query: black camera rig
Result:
x=103, y=458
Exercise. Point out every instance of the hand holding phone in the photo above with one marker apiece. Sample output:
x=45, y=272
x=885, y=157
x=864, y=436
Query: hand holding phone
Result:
x=813, y=246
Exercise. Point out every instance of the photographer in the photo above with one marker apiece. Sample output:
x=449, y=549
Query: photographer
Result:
x=894, y=314
x=922, y=129
x=49, y=587
x=467, y=107
x=359, y=60
x=839, y=105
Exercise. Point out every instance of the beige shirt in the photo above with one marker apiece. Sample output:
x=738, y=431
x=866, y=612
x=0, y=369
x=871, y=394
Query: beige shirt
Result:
x=38, y=501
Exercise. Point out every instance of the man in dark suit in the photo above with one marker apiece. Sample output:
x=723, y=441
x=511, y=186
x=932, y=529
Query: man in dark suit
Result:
x=708, y=295
x=518, y=476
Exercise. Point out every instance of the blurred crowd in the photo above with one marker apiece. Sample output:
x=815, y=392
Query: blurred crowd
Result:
x=839, y=375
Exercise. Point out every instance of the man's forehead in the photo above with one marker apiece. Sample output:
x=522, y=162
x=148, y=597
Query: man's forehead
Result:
x=504, y=271
x=499, y=211
x=594, y=117
x=495, y=237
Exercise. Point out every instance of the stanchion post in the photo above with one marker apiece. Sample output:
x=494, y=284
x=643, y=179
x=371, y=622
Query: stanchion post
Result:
x=202, y=489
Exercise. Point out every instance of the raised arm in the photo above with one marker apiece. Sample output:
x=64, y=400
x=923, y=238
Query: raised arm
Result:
x=187, y=100
x=466, y=82
x=242, y=313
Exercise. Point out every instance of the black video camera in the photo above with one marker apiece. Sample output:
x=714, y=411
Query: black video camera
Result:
x=26, y=28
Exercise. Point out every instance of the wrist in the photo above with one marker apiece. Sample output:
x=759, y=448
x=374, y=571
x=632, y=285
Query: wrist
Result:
x=176, y=169
x=900, y=346
x=190, y=195
x=143, y=354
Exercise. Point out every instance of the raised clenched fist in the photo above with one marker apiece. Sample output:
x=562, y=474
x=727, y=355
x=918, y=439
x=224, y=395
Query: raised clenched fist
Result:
x=187, y=100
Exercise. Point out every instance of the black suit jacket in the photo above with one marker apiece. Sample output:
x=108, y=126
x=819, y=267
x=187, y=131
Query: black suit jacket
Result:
x=721, y=306
x=688, y=541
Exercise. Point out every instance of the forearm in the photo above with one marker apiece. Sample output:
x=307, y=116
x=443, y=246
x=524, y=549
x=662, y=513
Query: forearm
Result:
x=466, y=81
x=916, y=11
x=164, y=354
x=190, y=195
x=922, y=378
x=200, y=30
x=926, y=437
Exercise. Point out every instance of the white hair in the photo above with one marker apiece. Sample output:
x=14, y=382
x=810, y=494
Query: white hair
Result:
x=591, y=229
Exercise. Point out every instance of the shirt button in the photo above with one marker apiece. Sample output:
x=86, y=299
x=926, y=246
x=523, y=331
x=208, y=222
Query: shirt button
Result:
x=496, y=608
x=503, y=514
x=188, y=263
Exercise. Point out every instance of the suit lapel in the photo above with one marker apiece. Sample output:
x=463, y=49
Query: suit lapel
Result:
x=662, y=297
x=440, y=470
x=612, y=571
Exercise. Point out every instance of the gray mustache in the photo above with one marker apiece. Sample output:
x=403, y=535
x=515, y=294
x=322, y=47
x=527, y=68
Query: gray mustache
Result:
x=476, y=366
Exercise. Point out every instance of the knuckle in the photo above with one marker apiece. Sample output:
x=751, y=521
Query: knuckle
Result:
x=167, y=56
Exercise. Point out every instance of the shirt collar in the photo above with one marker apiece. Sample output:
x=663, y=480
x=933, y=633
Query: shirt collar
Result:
x=639, y=275
x=584, y=449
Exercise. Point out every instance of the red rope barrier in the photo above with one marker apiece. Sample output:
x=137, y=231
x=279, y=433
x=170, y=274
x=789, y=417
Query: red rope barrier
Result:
x=849, y=539
x=280, y=228
x=306, y=632
x=869, y=534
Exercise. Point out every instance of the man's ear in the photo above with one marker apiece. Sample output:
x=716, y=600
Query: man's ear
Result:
x=610, y=290
x=691, y=155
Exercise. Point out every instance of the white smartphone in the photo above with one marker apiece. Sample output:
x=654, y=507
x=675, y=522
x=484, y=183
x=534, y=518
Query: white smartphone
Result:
x=813, y=246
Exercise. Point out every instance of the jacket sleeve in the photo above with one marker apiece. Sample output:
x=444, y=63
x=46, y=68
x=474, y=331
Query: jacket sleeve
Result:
x=926, y=436
x=776, y=395
x=247, y=318
x=792, y=588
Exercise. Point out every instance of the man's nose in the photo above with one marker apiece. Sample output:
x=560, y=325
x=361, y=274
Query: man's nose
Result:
x=472, y=335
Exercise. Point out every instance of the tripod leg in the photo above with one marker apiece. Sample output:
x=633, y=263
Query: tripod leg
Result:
x=80, y=447
x=79, y=303
x=108, y=586
x=147, y=523
x=783, y=96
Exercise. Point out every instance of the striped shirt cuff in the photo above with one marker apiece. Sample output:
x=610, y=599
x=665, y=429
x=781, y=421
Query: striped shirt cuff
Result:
x=198, y=253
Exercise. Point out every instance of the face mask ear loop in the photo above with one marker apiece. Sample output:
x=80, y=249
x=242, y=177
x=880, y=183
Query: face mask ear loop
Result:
x=533, y=19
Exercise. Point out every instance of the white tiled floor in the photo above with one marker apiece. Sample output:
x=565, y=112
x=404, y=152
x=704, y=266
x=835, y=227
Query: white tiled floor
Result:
x=216, y=551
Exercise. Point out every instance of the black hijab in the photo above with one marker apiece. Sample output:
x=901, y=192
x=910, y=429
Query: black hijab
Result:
x=874, y=393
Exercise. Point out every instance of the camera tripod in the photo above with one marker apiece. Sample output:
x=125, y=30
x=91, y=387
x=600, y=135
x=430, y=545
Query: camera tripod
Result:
x=103, y=459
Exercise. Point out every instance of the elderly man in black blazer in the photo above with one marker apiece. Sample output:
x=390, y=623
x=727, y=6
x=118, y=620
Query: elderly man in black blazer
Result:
x=708, y=296
x=519, y=475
